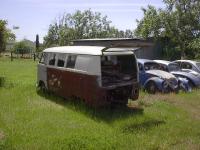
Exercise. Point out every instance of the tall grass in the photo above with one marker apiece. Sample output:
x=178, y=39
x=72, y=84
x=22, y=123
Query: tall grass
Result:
x=31, y=120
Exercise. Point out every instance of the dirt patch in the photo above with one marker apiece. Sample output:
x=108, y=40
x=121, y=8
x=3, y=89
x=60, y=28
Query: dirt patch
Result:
x=2, y=135
x=189, y=104
x=148, y=99
x=187, y=144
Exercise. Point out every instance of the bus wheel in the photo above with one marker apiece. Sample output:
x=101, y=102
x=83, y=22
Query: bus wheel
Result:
x=42, y=87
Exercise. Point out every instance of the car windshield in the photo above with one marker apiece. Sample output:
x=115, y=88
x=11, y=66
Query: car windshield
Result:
x=174, y=67
x=151, y=66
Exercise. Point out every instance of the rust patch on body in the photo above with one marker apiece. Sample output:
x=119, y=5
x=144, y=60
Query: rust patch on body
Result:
x=68, y=84
x=72, y=84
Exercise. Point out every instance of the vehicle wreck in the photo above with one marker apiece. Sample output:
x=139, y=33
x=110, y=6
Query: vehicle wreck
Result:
x=193, y=80
x=97, y=75
x=154, y=80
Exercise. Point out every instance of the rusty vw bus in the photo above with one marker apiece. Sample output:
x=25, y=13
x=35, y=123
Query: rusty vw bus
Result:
x=97, y=75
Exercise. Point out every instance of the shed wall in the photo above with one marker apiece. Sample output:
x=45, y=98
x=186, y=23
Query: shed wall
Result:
x=147, y=49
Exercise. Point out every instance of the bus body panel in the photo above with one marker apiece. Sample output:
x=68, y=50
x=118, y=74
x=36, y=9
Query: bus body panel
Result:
x=42, y=74
x=71, y=84
x=66, y=83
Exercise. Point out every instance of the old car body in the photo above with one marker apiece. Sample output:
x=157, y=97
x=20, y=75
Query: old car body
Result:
x=97, y=75
x=152, y=79
x=172, y=67
x=187, y=65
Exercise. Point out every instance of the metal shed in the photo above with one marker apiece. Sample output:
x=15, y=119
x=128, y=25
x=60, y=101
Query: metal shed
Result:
x=147, y=48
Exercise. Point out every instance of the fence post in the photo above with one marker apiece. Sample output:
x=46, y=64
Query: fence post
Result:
x=34, y=56
x=11, y=56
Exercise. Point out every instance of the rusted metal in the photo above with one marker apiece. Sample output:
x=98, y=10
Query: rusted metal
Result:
x=67, y=84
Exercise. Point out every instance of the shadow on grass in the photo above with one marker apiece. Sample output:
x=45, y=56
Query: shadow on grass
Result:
x=144, y=126
x=107, y=113
x=5, y=83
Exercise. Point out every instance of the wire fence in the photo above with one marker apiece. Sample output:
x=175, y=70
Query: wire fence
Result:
x=33, y=55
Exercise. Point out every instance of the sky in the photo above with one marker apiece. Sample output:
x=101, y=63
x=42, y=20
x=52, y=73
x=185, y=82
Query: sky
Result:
x=34, y=16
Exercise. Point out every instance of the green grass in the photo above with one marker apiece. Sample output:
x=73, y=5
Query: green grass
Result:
x=31, y=120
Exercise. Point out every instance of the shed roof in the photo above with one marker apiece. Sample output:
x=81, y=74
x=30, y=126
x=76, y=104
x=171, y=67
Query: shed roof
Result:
x=117, y=42
x=111, y=39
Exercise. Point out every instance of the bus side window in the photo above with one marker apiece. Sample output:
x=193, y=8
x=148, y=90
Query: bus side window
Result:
x=71, y=61
x=52, y=59
x=44, y=58
x=61, y=60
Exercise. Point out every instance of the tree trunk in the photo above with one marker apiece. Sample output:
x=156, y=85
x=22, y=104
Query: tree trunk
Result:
x=182, y=47
x=182, y=54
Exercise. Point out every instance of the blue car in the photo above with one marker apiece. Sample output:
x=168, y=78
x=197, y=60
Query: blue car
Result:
x=154, y=80
x=174, y=68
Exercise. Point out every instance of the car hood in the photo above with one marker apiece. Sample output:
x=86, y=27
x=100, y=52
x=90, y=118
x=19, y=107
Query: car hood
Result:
x=187, y=74
x=160, y=73
x=191, y=71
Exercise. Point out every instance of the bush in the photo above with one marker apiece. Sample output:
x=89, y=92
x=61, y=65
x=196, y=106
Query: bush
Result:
x=22, y=48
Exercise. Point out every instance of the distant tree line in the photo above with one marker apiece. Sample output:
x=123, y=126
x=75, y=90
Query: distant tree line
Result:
x=82, y=25
x=176, y=28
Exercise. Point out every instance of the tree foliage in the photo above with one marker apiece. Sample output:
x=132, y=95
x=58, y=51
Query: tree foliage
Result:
x=178, y=23
x=5, y=35
x=150, y=25
x=81, y=25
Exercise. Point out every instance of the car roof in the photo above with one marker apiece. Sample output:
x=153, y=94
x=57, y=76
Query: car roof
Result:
x=89, y=50
x=189, y=61
x=165, y=62
x=142, y=61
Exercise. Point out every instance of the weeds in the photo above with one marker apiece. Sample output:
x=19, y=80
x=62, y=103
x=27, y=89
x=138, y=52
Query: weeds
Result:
x=32, y=120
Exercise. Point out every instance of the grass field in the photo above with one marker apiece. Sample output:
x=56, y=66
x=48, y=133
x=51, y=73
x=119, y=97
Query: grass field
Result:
x=30, y=120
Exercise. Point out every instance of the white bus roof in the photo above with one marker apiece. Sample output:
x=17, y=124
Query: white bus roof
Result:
x=89, y=50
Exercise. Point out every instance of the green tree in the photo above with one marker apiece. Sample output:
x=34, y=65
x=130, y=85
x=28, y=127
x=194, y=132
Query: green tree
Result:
x=178, y=22
x=151, y=24
x=5, y=35
x=128, y=34
x=81, y=25
x=37, y=43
